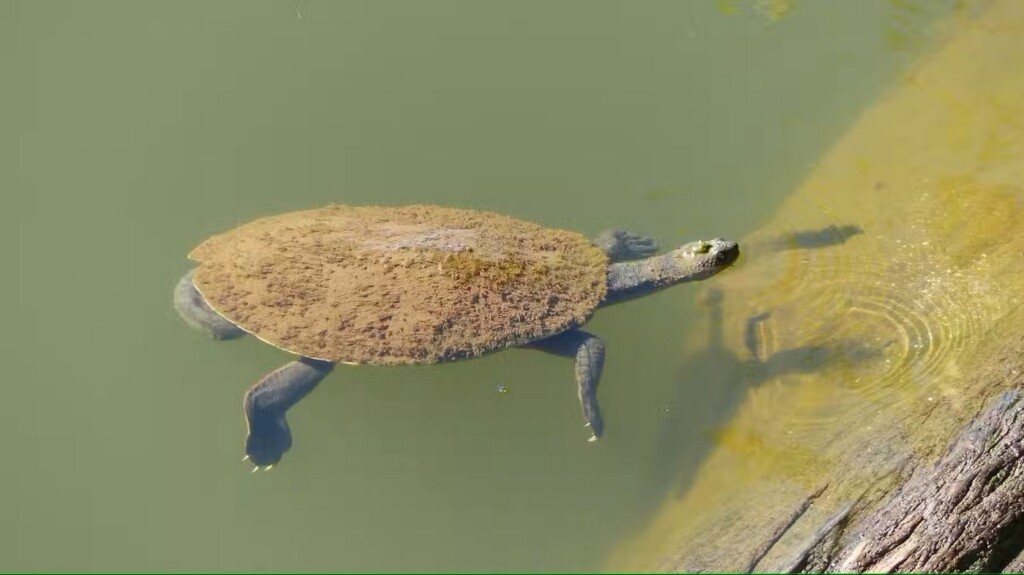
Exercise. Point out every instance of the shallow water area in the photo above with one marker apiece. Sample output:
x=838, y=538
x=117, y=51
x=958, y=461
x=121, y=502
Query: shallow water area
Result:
x=872, y=317
x=134, y=131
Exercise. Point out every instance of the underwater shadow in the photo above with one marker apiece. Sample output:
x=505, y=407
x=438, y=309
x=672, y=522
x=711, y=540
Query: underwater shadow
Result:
x=686, y=436
x=814, y=239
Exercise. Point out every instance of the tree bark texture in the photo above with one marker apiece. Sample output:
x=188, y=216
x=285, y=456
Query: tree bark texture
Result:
x=965, y=513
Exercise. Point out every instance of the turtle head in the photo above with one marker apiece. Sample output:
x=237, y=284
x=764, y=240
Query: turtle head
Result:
x=704, y=258
x=694, y=261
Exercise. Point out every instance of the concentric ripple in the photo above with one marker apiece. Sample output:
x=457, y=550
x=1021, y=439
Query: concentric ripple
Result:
x=862, y=323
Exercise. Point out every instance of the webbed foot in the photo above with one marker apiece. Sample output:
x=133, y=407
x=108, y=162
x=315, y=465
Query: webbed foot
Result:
x=623, y=245
x=269, y=438
x=269, y=399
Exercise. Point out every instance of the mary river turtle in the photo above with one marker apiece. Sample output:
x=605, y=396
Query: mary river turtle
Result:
x=416, y=284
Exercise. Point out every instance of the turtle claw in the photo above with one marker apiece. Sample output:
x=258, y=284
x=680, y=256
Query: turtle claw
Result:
x=593, y=439
x=244, y=459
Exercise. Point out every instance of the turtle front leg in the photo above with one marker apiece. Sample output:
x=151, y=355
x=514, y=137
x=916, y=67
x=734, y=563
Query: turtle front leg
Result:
x=192, y=308
x=588, y=352
x=267, y=401
x=623, y=245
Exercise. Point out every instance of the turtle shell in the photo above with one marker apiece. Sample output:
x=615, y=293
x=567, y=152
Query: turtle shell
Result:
x=391, y=285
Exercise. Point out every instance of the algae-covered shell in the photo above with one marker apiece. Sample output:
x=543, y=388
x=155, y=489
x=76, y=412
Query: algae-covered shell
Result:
x=391, y=285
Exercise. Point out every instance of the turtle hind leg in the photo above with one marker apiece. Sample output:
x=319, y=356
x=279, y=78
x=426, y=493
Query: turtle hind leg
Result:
x=192, y=308
x=267, y=401
x=623, y=245
x=588, y=352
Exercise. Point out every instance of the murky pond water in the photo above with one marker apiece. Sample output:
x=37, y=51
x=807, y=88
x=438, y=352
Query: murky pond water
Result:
x=135, y=130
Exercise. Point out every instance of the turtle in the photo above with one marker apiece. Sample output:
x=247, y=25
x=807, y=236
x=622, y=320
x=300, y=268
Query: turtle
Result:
x=416, y=284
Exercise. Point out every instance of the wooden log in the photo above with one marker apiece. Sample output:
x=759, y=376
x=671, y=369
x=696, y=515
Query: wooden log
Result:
x=965, y=513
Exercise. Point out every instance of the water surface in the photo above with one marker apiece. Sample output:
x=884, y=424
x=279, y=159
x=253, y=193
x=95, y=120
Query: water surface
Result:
x=135, y=130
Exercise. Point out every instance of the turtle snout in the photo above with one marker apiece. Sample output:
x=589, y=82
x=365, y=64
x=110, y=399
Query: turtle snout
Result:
x=725, y=251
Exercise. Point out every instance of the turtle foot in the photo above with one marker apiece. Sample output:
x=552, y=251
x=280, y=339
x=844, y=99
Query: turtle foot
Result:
x=268, y=440
x=623, y=245
x=267, y=402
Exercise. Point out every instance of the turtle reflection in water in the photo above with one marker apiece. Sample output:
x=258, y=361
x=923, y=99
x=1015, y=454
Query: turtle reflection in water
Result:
x=416, y=284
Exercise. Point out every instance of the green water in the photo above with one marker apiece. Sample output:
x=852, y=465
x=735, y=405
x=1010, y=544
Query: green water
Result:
x=133, y=130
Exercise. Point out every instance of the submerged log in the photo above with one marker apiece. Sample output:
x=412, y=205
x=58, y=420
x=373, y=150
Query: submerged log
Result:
x=961, y=512
x=964, y=514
